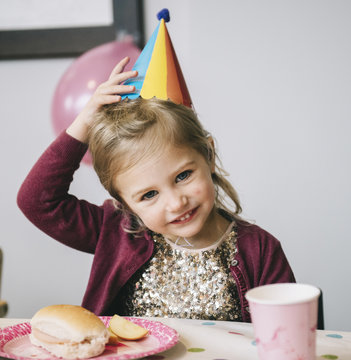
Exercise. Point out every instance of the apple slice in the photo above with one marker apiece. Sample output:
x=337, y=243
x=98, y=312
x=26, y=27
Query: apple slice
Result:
x=126, y=329
x=113, y=338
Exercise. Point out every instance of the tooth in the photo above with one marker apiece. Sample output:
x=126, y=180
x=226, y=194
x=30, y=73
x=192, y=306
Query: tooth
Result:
x=184, y=217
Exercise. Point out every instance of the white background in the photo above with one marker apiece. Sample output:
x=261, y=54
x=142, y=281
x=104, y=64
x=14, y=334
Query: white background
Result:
x=42, y=14
x=272, y=81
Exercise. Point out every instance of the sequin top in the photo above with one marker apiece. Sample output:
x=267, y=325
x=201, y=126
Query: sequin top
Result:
x=185, y=283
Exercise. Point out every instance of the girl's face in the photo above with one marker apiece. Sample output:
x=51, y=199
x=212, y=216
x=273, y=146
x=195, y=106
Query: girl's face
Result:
x=172, y=193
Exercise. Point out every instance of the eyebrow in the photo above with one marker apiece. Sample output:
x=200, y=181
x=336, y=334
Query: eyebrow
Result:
x=150, y=188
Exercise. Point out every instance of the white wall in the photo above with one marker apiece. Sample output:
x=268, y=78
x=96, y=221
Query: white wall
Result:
x=272, y=81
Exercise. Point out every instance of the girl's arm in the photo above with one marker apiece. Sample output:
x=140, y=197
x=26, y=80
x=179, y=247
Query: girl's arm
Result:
x=45, y=201
x=43, y=196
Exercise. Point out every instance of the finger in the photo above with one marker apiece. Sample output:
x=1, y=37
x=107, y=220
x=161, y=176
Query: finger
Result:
x=120, y=66
x=106, y=87
x=121, y=77
x=117, y=79
x=109, y=99
x=117, y=89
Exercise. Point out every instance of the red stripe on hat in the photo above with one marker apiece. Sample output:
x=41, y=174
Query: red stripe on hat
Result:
x=177, y=90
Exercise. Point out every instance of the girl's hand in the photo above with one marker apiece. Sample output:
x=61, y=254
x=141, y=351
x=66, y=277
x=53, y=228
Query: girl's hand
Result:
x=106, y=93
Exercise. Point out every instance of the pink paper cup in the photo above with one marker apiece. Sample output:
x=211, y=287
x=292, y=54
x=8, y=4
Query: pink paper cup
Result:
x=284, y=318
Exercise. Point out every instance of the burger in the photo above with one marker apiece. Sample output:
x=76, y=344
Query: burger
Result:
x=68, y=331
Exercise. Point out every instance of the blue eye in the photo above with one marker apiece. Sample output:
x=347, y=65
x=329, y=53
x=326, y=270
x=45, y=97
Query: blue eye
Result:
x=149, y=195
x=183, y=175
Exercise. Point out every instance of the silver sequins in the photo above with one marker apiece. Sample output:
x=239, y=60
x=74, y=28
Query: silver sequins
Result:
x=185, y=284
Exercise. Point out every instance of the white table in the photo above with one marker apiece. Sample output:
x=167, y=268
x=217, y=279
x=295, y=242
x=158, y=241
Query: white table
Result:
x=220, y=340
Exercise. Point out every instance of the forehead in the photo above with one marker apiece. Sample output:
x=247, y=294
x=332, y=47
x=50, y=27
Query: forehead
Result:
x=163, y=157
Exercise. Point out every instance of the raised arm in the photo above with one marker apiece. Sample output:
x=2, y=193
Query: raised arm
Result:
x=43, y=196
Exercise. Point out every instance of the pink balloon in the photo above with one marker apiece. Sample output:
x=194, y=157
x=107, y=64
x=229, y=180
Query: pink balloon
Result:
x=81, y=79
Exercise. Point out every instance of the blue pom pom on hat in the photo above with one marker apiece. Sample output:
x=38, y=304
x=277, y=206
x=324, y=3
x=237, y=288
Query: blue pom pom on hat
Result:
x=163, y=14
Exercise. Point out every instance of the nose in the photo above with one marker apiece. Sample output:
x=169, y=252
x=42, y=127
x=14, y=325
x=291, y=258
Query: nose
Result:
x=175, y=201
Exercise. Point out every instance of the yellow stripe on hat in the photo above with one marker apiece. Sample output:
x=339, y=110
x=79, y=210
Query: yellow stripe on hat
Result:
x=155, y=83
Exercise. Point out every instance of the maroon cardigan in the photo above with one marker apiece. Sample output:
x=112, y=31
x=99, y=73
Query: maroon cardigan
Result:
x=44, y=199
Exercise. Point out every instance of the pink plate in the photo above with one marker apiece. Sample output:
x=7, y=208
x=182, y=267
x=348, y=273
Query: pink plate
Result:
x=15, y=343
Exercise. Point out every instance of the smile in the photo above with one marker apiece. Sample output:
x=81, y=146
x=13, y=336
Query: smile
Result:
x=185, y=217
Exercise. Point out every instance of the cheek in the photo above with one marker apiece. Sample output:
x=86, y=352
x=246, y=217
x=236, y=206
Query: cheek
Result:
x=205, y=189
x=150, y=217
x=153, y=223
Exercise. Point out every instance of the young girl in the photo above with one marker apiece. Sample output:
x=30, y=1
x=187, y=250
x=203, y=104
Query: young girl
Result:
x=171, y=242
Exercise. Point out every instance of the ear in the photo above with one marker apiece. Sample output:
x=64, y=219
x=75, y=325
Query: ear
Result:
x=211, y=152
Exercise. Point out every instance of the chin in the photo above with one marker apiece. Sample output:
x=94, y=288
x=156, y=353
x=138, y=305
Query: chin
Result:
x=189, y=233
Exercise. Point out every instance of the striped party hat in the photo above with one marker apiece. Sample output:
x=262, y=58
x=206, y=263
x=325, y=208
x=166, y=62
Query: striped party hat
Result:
x=159, y=73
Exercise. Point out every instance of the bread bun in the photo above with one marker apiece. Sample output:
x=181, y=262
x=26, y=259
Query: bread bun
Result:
x=69, y=331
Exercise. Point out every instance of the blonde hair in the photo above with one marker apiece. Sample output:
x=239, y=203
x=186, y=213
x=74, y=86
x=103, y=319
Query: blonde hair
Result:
x=129, y=131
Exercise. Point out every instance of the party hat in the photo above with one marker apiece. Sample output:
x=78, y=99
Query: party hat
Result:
x=159, y=73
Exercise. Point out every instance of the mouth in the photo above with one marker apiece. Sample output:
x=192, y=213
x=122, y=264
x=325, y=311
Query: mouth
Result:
x=186, y=217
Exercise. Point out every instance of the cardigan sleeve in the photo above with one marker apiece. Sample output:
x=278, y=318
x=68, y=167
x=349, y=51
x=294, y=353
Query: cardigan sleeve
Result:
x=263, y=256
x=260, y=261
x=44, y=199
